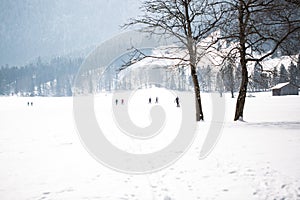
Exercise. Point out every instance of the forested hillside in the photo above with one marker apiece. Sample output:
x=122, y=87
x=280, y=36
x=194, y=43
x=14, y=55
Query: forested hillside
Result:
x=53, y=78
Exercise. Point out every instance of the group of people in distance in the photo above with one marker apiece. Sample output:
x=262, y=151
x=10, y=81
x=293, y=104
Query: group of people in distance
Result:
x=176, y=100
x=156, y=100
x=150, y=101
x=117, y=101
x=29, y=103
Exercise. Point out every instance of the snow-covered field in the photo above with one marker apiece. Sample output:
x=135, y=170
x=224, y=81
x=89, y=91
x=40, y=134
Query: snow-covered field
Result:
x=41, y=156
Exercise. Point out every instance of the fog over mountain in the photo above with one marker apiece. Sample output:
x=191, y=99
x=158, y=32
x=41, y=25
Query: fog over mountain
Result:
x=47, y=28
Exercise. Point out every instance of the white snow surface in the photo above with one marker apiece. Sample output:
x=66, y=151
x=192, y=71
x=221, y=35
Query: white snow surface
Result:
x=41, y=156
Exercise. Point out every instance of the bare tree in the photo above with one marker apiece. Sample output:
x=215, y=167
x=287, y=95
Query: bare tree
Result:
x=258, y=28
x=189, y=21
x=220, y=84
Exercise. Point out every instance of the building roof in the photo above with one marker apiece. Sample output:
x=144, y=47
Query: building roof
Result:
x=280, y=85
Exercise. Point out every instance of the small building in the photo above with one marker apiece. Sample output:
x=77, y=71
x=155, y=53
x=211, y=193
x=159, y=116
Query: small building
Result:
x=284, y=89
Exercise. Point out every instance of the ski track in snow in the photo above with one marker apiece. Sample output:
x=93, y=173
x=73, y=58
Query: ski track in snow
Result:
x=41, y=156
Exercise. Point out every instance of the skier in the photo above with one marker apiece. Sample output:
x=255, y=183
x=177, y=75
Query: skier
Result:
x=150, y=100
x=116, y=101
x=177, y=101
x=122, y=101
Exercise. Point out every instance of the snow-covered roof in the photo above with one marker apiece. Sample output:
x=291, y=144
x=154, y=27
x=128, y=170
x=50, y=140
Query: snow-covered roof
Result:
x=280, y=85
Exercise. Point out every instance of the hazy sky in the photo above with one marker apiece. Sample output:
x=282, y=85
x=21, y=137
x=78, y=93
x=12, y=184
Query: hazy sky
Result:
x=32, y=28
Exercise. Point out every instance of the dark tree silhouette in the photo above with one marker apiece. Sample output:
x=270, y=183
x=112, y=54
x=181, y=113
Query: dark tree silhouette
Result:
x=257, y=27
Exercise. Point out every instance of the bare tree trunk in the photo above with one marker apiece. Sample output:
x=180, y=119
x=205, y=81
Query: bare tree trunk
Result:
x=243, y=88
x=193, y=52
x=232, y=83
x=242, y=95
x=192, y=48
x=199, y=112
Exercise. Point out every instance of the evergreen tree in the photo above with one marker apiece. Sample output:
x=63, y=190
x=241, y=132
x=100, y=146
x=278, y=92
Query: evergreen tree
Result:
x=228, y=78
x=173, y=84
x=237, y=77
x=275, y=77
x=182, y=81
x=265, y=78
x=298, y=72
x=219, y=83
x=208, y=75
x=2, y=81
x=200, y=75
x=283, y=75
x=257, y=77
x=292, y=73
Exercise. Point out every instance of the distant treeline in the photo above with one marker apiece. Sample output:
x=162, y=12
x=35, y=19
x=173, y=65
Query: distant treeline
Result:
x=53, y=78
x=56, y=78
x=226, y=78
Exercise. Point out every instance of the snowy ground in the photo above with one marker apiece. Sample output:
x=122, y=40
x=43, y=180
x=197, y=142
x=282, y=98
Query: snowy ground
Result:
x=41, y=156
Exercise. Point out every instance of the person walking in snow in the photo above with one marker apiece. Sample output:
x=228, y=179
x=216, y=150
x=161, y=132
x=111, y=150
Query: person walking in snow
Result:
x=116, y=101
x=150, y=100
x=122, y=101
x=156, y=100
x=177, y=101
